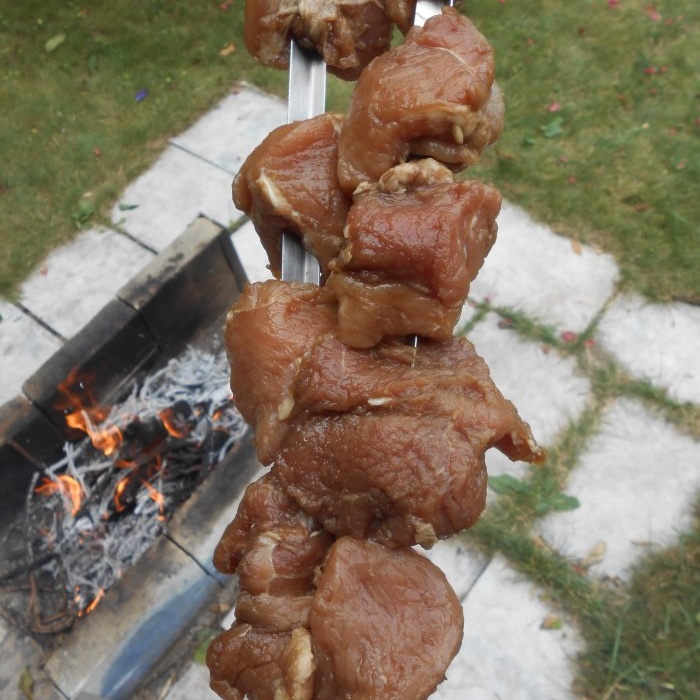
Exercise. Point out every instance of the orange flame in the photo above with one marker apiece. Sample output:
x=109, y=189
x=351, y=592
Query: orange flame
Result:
x=84, y=413
x=157, y=496
x=118, y=492
x=67, y=486
x=168, y=418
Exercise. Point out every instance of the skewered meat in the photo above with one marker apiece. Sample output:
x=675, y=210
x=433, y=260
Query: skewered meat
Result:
x=384, y=624
x=414, y=242
x=267, y=349
x=289, y=183
x=386, y=442
x=376, y=445
x=275, y=549
x=347, y=33
x=431, y=96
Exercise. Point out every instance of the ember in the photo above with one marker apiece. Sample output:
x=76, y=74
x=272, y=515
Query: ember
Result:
x=95, y=512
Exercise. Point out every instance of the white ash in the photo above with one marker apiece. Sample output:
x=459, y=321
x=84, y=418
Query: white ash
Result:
x=97, y=545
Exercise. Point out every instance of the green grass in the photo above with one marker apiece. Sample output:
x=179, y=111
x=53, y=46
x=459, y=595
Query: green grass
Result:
x=617, y=164
x=72, y=132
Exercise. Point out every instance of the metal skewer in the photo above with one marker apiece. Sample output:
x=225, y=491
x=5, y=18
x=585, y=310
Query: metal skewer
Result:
x=307, y=98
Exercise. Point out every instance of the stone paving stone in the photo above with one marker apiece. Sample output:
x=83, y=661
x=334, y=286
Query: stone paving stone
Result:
x=506, y=654
x=22, y=656
x=657, y=342
x=24, y=346
x=533, y=270
x=226, y=135
x=170, y=195
x=78, y=279
x=461, y=564
x=194, y=683
x=636, y=484
x=545, y=387
x=251, y=253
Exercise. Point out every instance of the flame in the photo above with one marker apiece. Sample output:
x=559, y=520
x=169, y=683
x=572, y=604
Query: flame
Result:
x=96, y=600
x=118, y=492
x=67, y=486
x=84, y=413
x=157, y=496
x=169, y=419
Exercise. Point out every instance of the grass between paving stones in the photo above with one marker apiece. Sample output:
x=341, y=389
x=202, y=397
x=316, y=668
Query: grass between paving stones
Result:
x=642, y=639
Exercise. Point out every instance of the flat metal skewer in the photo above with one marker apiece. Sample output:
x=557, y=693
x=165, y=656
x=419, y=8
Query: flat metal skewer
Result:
x=307, y=98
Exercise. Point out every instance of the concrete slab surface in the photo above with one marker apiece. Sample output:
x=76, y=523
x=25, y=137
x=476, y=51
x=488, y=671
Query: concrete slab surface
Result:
x=24, y=346
x=78, y=279
x=636, y=484
x=657, y=342
x=532, y=269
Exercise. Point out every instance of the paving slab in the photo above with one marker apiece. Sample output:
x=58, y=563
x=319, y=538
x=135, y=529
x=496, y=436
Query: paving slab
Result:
x=657, y=342
x=506, y=653
x=21, y=674
x=546, y=387
x=77, y=280
x=194, y=683
x=227, y=134
x=532, y=269
x=159, y=205
x=636, y=484
x=24, y=346
x=250, y=252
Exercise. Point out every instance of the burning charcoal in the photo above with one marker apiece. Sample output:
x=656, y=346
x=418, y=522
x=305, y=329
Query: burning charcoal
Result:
x=143, y=435
x=179, y=419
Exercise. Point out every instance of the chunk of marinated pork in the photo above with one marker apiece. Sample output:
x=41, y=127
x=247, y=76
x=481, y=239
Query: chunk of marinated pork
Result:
x=431, y=96
x=267, y=332
x=414, y=242
x=385, y=624
x=347, y=33
x=246, y=662
x=275, y=549
x=289, y=183
x=388, y=443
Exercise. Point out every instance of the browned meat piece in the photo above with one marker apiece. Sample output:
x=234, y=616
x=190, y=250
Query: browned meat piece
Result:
x=245, y=662
x=347, y=33
x=386, y=442
x=413, y=245
x=267, y=331
x=389, y=443
x=431, y=96
x=384, y=624
x=401, y=12
x=289, y=183
x=275, y=549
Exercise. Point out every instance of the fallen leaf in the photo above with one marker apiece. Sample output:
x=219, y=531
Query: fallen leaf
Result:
x=228, y=50
x=553, y=128
x=551, y=622
x=54, y=42
x=26, y=684
x=127, y=207
x=595, y=554
x=576, y=247
x=97, y=151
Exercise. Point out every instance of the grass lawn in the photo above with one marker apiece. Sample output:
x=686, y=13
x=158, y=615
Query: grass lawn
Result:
x=602, y=142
